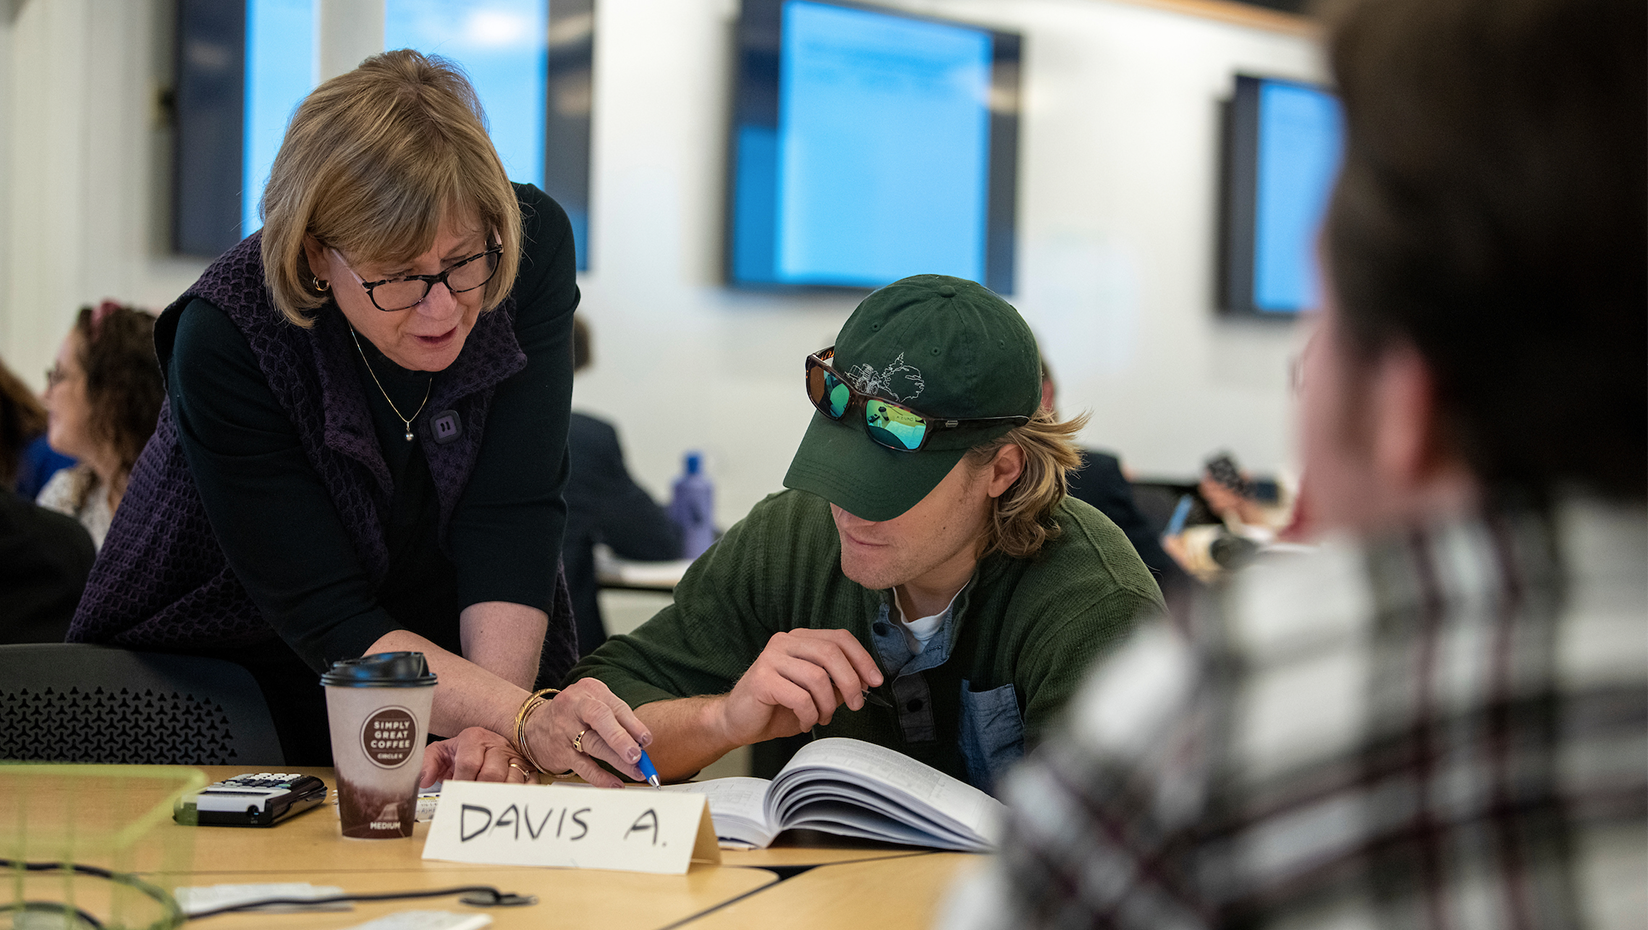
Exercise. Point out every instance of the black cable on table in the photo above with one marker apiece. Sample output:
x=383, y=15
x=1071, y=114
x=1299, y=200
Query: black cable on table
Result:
x=474, y=895
x=52, y=907
x=172, y=915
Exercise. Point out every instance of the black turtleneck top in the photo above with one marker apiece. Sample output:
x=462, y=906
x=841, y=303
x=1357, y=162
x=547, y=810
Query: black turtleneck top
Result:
x=277, y=524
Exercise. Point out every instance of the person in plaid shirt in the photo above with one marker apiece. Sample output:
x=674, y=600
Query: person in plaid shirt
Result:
x=1439, y=718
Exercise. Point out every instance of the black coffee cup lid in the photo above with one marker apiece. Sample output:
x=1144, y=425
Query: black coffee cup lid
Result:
x=382, y=670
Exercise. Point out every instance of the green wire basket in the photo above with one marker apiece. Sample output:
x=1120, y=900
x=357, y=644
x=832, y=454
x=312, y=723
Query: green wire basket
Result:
x=76, y=841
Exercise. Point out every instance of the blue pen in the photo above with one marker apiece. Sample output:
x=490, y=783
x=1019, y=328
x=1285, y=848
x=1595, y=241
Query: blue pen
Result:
x=1176, y=525
x=648, y=770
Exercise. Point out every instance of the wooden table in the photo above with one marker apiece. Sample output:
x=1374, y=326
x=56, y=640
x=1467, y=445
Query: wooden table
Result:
x=566, y=897
x=311, y=841
x=308, y=842
x=801, y=848
x=624, y=575
x=903, y=893
x=856, y=884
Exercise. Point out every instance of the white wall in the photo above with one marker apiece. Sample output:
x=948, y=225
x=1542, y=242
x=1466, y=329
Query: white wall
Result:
x=1118, y=171
x=1118, y=178
x=7, y=14
x=86, y=169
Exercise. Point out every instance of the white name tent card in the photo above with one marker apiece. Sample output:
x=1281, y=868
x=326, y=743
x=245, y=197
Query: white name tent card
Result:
x=571, y=826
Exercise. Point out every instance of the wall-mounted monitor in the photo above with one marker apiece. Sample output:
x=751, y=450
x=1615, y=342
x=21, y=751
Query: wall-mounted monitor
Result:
x=244, y=65
x=531, y=63
x=868, y=145
x=1282, y=149
x=208, y=101
x=242, y=68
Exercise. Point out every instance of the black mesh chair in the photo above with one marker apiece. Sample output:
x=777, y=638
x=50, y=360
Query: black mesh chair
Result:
x=70, y=702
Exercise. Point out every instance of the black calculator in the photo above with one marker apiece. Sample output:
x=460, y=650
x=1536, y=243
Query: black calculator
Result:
x=260, y=800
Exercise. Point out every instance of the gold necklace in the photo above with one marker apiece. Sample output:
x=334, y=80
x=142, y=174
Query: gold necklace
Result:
x=406, y=420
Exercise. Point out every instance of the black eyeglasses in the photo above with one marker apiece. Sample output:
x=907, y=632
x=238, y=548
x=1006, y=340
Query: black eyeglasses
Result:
x=394, y=294
x=890, y=424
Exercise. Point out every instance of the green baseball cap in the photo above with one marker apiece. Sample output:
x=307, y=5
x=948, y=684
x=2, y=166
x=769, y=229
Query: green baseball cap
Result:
x=944, y=347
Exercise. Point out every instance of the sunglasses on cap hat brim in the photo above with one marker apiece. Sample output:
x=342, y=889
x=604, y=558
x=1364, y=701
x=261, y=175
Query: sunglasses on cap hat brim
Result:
x=888, y=423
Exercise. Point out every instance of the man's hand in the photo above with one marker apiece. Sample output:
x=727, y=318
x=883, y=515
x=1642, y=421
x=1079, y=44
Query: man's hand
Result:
x=796, y=683
x=1229, y=504
x=476, y=754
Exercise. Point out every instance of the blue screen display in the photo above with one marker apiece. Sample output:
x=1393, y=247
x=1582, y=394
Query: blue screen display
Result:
x=280, y=72
x=1300, y=138
x=503, y=45
x=879, y=166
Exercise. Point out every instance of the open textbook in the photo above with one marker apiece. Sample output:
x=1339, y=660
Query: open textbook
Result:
x=853, y=788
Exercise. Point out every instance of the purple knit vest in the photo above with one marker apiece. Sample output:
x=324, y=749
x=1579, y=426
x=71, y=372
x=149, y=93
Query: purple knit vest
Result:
x=161, y=579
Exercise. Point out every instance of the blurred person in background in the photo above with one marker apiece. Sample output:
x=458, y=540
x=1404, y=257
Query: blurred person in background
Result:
x=22, y=420
x=1249, y=515
x=36, y=465
x=44, y=556
x=103, y=395
x=1439, y=717
x=1102, y=484
x=27, y=461
x=604, y=505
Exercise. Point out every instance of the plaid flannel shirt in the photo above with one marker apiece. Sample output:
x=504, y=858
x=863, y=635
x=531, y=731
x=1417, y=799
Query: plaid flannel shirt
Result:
x=1444, y=729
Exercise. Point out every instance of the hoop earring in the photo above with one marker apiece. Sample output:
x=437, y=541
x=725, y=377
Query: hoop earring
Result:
x=321, y=286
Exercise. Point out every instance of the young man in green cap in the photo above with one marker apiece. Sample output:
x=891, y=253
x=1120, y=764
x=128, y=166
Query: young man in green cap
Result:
x=925, y=585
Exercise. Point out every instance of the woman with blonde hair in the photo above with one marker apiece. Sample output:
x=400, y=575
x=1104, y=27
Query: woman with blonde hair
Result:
x=364, y=445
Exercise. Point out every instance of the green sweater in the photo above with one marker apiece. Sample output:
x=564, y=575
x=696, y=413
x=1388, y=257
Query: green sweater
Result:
x=1012, y=650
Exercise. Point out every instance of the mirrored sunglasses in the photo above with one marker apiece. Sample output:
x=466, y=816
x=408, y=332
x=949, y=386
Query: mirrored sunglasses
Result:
x=887, y=422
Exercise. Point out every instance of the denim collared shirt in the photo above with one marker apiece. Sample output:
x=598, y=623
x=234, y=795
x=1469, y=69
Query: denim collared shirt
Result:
x=992, y=729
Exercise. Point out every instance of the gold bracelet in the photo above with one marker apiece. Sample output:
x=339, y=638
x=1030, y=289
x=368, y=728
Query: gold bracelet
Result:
x=527, y=707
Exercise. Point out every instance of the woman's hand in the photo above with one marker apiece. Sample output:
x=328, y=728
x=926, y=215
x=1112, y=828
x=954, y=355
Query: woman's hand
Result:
x=478, y=705
x=583, y=723
x=476, y=754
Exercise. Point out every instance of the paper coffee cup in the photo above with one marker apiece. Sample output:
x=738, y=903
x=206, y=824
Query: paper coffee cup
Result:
x=378, y=707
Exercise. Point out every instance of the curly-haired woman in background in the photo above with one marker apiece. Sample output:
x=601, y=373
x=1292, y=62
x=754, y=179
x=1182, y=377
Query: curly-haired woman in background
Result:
x=102, y=398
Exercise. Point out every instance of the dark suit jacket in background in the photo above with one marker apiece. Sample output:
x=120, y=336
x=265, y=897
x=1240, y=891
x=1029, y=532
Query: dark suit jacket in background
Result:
x=35, y=466
x=1100, y=482
x=604, y=505
x=44, y=559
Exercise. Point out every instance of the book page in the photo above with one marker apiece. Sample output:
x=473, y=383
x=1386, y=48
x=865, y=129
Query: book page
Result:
x=738, y=808
x=856, y=820
x=824, y=792
x=902, y=778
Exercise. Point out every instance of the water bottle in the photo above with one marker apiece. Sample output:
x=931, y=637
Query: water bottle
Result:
x=693, y=507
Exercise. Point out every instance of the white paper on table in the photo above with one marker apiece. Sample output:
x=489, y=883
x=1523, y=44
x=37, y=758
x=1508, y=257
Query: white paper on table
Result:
x=193, y=899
